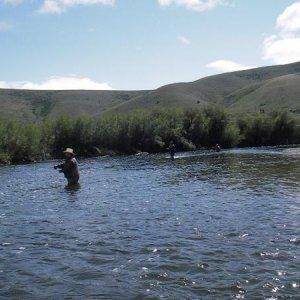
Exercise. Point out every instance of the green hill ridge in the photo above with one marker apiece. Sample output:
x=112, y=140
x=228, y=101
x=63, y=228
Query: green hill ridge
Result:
x=269, y=88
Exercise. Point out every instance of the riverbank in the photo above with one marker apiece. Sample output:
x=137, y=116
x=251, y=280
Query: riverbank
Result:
x=143, y=131
x=179, y=154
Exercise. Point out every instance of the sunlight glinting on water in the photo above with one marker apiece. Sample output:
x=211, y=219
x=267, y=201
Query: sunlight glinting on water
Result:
x=206, y=225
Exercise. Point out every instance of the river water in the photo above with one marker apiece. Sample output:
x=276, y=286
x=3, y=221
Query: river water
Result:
x=205, y=226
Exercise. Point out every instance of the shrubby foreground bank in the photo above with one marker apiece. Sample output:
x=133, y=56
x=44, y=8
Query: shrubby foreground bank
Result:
x=143, y=131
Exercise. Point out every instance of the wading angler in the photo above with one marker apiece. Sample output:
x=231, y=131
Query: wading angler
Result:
x=69, y=167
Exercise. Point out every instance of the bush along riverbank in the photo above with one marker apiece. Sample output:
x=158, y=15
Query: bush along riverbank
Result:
x=143, y=131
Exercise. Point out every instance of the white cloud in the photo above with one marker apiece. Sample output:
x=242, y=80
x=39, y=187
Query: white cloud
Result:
x=281, y=50
x=197, y=5
x=58, y=83
x=289, y=20
x=284, y=47
x=227, y=66
x=59, y=6
x=4, y=26
x=184, y=40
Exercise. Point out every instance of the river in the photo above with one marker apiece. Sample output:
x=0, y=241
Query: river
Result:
x=204, y=226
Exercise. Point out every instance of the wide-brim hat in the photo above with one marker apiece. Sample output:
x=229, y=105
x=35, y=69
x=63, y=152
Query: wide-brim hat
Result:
x=69, y=151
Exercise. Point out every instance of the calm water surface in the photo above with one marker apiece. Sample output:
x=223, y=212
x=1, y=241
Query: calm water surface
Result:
x=205, y=226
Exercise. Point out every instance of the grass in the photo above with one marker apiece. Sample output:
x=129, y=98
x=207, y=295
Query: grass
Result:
x=268, y=88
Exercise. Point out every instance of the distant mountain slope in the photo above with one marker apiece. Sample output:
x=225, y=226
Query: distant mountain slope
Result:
x=268, y=88
x=33, y=105
x=223, y=89
x=282, y=92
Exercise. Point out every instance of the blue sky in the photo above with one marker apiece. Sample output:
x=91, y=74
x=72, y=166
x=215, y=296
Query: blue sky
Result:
x=140, y=44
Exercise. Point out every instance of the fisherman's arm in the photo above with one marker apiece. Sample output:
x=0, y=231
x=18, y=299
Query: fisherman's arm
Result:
x=67, y=166
x=61, y=166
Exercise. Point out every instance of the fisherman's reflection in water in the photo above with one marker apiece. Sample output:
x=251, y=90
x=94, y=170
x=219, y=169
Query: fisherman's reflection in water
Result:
x=73, y=193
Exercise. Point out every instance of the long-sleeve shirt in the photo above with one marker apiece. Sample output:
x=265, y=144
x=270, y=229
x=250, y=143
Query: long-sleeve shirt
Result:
x=70, y=170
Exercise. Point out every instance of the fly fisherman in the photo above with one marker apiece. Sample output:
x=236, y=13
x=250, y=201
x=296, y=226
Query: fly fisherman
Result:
x=217, y=148
x=172, y=149
x=69, y=167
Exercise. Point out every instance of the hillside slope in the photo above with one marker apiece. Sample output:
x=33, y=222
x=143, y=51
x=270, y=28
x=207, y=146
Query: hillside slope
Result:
x=279, y=93
x=268, y=88
x=34, y=105
x=225, y=89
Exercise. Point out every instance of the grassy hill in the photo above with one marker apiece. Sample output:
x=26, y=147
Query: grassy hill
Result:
x=34, y=105
x=268, y=88
x=282, y=92
x=275, y=87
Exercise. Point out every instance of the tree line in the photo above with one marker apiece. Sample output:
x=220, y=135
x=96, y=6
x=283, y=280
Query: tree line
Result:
x=143, y=131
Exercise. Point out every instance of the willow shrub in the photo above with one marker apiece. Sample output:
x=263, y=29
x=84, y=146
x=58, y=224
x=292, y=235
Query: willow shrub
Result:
x=19, y=142
x=144, y=130
x=277, y=128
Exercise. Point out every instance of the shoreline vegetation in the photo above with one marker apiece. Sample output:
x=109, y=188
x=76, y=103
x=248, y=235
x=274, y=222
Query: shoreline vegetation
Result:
x=143, y=131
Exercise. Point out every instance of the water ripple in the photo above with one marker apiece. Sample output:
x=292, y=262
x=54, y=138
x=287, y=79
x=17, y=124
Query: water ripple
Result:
x=209, y=226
